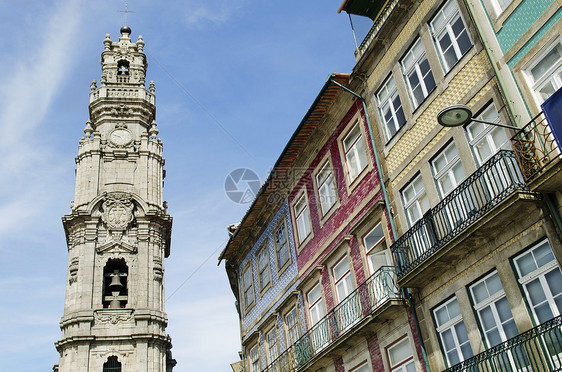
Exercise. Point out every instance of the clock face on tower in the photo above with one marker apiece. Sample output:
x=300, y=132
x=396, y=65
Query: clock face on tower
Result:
x=120, y=137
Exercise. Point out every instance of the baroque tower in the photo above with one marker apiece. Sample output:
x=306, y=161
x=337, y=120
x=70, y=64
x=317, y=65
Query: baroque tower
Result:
x=118, y=230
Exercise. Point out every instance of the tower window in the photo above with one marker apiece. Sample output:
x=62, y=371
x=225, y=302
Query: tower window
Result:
x=122, y=68
x=115, y=284
x=112, y=365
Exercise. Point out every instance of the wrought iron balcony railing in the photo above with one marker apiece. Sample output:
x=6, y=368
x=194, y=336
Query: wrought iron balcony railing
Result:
x=492, y=183
x=359, y=304
x=538, y=349
x=535, y=147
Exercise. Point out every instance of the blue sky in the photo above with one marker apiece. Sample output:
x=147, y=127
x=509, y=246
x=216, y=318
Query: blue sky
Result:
x=253, y=67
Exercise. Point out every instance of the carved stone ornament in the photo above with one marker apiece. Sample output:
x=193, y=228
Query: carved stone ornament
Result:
x=113, y=316
x=73, y=270
x=117, y=211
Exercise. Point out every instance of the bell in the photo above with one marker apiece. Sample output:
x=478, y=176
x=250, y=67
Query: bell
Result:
x=115, y=282
x=115, y=303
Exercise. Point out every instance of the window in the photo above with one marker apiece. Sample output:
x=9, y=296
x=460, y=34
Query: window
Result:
x=545, y=74
x=486, y=140
x=248, y=286
x=500, y=5
x=363, y=368
x=302, y=218
x=255, y=359
x=355, y=152
x=400, y=357
x=415, y=200
x=115, y=275
x=326, y=188
x=315, y=306
x=112, y=365
x=390, y=108
x=450, y=35
x=342, y=278
x=541, y=278
x=378, y=259
x=282, y=246
x=452, y=332
x=447, y=169
x=263, y=266
x=494, y=313
x=417, y=72
x=292, y=326
x=272, y=346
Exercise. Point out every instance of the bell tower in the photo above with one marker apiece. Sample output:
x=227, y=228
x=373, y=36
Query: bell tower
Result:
x=118, y=230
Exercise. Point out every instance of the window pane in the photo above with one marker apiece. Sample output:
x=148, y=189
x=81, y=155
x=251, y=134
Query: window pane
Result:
x=547, y=62
x=543, y=254
x=535, y=292
x=554, y=280
x=373, y=237
x=399, y=352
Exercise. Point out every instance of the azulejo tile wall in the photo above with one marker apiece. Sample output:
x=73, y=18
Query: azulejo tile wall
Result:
x=279, y=282
x=472, y=73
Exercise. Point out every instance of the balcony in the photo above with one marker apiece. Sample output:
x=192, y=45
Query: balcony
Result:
x=371, y=299
x=538, y=155
x=538, y=349
x=480, y=202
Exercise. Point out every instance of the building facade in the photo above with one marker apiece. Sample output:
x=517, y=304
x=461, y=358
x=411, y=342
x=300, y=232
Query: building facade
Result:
x=474, y=204
x=118, y=230
x=419, y=246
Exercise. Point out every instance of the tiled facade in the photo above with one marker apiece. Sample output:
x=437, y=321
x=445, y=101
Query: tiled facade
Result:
x=419, y=217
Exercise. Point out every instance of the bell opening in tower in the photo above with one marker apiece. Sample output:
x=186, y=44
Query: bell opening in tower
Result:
x=115, y=275
x=112, y=365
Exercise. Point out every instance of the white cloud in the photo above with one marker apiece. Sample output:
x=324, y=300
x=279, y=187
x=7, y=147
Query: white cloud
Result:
x=212, y=11
x=29, y=87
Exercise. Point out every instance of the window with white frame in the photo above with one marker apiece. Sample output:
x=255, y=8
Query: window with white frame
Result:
x=264, y=272
x=302, y=218
x=315, y=306
x=415, y=200
x=500, y=5
x=494, y=314
x=545, y=72
x=355, y=152
x=375, y=259
x=342, y=278
x=272, y=345
x=390, y=108
x=400, y=357
x=452, y=332
x=248, y=286
x=450, y=34
x=281, y=246
x=255, y=359
x=417, y=72
x=292, y=326
x=447, y=169
x=541, y=278
x=326, y=185
x=362, y=368
x=486, y=140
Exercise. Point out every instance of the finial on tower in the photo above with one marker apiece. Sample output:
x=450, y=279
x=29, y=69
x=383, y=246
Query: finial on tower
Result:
x=125, y=31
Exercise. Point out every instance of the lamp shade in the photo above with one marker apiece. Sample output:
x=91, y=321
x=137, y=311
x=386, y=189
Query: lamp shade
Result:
x=454, y=116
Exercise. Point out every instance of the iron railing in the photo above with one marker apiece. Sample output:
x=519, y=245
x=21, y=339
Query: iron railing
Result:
x=359, y=304
x=538, y=349
x=535, y=147
x=492, y=183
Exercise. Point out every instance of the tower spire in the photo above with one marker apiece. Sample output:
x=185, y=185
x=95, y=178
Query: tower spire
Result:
x=118, y=230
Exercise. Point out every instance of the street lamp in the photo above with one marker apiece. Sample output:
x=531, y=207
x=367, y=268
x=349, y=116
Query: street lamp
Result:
x=457, y=115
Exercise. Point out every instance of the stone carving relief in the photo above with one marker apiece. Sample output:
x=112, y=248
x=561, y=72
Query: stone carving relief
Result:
x=158, y=271
x=113, y=316
x=117, y=211
x=73, y=270
x=117, y=216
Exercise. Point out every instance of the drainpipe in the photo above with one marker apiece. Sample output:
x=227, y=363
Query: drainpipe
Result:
x=393, y=227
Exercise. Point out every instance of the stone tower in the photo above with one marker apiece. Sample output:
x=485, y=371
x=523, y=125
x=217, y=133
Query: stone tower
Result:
x=118, y=230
